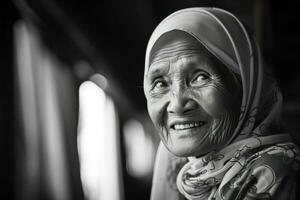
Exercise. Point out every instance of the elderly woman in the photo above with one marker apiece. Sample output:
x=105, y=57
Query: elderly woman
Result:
x=217, y=112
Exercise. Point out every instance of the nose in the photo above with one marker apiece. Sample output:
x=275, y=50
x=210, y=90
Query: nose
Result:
x=180, y=103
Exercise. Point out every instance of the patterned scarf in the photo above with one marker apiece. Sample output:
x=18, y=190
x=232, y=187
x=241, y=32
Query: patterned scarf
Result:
x=252, y=167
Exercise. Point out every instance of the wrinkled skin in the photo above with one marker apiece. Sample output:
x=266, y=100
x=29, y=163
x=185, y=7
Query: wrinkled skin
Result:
x=187, y=86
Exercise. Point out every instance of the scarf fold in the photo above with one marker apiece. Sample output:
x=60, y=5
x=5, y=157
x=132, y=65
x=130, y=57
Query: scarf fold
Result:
x=249, y=167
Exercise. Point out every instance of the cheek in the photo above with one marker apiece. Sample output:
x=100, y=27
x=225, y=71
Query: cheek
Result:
x=212, y=101
x=156, y=110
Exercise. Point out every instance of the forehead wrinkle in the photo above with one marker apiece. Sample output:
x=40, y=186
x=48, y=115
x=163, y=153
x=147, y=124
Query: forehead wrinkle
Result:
x=174, y=58
x=192, y=61
x=182, y=63
x=175, y=49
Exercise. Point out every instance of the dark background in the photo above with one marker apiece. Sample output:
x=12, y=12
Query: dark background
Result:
x=112, y=37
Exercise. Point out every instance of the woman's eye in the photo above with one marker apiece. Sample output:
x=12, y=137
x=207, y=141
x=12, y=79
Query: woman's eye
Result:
x=200, y=79
x=159, y=85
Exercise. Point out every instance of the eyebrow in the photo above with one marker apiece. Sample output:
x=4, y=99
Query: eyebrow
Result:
x=161, y=68
x=195, y=63
x=158, y=69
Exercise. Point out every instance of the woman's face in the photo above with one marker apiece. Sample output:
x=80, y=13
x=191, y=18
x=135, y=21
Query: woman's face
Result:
x=192, y=98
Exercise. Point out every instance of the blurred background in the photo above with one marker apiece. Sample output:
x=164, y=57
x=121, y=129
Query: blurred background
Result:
x=73, y=118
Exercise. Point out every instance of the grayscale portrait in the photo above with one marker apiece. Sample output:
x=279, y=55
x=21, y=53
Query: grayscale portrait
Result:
x=150, y=100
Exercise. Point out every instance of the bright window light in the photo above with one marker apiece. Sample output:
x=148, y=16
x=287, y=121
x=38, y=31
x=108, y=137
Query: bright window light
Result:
x=139, y=150
x=98, y=145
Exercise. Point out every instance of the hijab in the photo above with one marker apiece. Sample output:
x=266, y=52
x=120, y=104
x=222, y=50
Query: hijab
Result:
x=259, y=156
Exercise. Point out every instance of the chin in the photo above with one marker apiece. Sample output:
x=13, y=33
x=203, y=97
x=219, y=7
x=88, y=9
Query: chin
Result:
x=188, y=150
x=181, y=152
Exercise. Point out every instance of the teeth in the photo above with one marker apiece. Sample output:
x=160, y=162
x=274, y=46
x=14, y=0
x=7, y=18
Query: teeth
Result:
x=186, y=126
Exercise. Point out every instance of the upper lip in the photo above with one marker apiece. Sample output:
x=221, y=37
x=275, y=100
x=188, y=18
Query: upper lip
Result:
x=183, y=120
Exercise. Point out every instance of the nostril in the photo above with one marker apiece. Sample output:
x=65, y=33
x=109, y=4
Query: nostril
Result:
x=187, y=111
x=181, y=105
x=190, y=105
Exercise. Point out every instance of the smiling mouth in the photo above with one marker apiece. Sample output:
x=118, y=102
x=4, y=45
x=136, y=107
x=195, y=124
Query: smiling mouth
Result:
x=189, y=125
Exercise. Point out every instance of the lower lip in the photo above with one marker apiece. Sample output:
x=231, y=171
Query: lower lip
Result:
x=187, y=132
